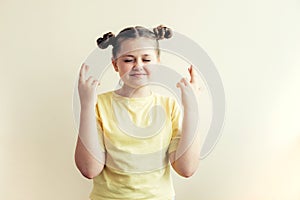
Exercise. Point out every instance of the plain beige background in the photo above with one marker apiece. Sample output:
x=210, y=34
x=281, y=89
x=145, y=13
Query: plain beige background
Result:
x=254, y=44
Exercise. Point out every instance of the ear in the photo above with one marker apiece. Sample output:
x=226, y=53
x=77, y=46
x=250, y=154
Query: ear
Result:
x=114, y=63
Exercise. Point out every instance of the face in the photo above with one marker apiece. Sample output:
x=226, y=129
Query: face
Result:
x=134, y=61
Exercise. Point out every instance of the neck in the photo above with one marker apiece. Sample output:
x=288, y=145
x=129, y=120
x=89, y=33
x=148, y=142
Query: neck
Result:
x=128, y=91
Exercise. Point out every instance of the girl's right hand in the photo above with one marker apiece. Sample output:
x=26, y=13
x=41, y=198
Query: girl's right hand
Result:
x=87, y=88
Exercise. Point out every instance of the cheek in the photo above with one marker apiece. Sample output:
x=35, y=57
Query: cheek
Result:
x=124, y=69
x=151, y=69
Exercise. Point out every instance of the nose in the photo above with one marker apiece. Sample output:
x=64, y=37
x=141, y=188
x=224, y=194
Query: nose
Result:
x=138, y=65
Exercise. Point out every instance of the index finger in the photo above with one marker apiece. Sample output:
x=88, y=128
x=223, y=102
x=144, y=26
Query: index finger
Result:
x=82, y=72
x=194, y=74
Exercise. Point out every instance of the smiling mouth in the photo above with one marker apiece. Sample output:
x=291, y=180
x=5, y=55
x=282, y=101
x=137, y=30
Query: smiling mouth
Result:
x=138, y=74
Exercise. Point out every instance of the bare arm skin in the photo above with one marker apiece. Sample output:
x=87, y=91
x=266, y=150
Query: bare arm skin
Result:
x=89, y=158
x=185, y=159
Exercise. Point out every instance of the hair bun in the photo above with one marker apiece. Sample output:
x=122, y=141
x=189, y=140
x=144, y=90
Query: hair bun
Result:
x=162, y=32
x=106, y=40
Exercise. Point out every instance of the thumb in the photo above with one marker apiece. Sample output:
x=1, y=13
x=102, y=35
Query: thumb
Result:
x=180, y=85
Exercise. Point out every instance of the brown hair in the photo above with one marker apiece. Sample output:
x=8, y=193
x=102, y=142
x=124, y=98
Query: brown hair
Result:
x=158, y=33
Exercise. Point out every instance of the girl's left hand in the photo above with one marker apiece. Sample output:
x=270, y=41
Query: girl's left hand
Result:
x=190, y=90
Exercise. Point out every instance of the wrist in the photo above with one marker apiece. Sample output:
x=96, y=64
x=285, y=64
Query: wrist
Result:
x=192, y=106
x=87, y=107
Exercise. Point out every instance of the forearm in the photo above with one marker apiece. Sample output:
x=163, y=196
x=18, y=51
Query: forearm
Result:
x=187, y=156
x=88, y=156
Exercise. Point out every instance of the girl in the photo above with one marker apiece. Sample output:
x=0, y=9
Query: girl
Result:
x=125, y=151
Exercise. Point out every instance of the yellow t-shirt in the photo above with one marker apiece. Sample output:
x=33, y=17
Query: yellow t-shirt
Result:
x=137, y=135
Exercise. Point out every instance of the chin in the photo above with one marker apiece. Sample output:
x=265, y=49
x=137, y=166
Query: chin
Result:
x=137, y=83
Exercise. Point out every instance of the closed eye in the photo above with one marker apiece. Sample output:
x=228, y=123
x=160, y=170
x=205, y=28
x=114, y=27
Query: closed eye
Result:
x=128, y=60
x=132, y=60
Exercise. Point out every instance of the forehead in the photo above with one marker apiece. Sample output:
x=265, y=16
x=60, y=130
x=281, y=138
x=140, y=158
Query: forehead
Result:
x=137, y=46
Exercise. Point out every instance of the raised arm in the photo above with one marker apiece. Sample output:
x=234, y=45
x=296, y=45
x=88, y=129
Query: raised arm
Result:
x=185, y=159
x=89, y=157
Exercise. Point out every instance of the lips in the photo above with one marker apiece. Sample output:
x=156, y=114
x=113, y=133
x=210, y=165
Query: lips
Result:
x=137, y=74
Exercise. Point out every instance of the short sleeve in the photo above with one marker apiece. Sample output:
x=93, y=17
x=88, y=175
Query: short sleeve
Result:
x=99, y=128
x=176, y=119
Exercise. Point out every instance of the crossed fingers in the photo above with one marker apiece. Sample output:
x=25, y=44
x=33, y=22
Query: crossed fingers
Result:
x=82, y=76
x=194, y=82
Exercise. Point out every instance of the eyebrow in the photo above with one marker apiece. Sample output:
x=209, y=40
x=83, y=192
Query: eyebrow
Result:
x=133, y=56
